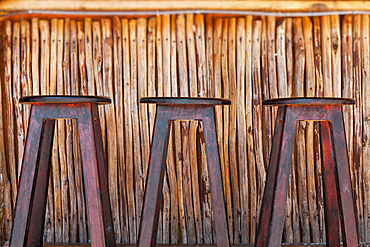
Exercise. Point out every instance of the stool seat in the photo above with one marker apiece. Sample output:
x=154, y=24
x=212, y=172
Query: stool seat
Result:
x=308, y=101
x=173, y=109
x=185, y=101
x=29, y=216
x=60, y=99
x=337, y=184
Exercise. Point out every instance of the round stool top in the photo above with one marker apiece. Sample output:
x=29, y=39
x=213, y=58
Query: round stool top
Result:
x=308, y=101
x=59, y=99
x=185, y=101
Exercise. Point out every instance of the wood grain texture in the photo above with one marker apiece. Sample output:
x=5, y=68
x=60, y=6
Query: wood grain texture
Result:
x=74, y=132
x=98, y=76
x=118, y=99
x=108, y=89
x=143, y=92
x=237, y=202
x=357, y=113
x=365, y=114
x=319, y=92
x=130, y=187
x=139, y=186
x=266, y=111
x=347, y=90
x=144, y=5
x=194, y=92
x=83, y=90
x=177, y=23
x=257, y=121
x=190, y=236
x=206, y=201
x=310, y=156
x=65, y=137
x=298, y=91
x=246, y=157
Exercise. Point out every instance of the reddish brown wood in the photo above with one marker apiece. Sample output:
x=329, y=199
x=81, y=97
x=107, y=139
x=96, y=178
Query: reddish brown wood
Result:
x=29, y=217
x=170, y=109
x=335, y=168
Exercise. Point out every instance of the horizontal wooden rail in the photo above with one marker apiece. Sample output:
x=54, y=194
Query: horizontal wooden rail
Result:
x=111, y=5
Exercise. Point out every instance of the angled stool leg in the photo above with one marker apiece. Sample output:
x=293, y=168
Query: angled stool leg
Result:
x=154, y=184
x=274, y=201
x=346, y=205
x=268, y=195
x=90, y=164
x=214, y=169
x=107, y=213
x=26, y=188
x=330, y=187
x=37, y=219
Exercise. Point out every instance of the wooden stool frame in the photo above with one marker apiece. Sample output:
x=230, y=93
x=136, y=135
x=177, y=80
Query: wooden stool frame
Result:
x=168, y=110
x=29, y=216
x=336, y=174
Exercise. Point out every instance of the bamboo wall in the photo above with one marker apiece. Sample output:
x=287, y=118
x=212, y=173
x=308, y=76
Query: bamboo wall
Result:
x=244, y=58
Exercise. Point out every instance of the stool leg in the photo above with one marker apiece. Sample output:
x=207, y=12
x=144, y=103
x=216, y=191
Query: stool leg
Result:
x=154, y=183
x=271, y=221
x=349, y=226
x=214, y=169
x=27, y=180
x=102, y=234
x=330, y=187
x=37, y=218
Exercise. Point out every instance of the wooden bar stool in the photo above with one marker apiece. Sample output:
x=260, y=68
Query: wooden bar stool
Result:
x=29, y=216
x=168, y=110
x=335, y=169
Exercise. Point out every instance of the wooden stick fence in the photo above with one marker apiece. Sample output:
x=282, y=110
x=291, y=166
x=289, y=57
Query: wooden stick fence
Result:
x=246, y=59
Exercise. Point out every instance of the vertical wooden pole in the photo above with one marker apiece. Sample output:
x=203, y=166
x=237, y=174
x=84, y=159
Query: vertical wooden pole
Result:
x=26, y=69
x=55, y=151
x=318, y=93
x=151, y=71
x=171, y=172
x=266, y=111
x=158, y=43
x=118, y=99
x=84, y=90
x=271, y=28
x=298, y=91
x=226, y=111
x=336, y=55
x=60, y=206
x=111, y=127
x=193, y=86
x=256, y=98
x=7, y=197
x=245, y=154
x=17, y=92
x=184, y=92
x=143, y=92
x=98, y=71
x=237, y=204
x=89, y=57
x=74, y=133
x=128, y=133
x=178, y=26
x=67, y=136
x=139, y=189
x=44, y=90
x=310, y=92
x=205, y=193
x=357, y=118
x=35, y=56
x=365, y=122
